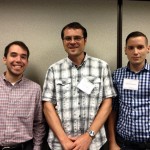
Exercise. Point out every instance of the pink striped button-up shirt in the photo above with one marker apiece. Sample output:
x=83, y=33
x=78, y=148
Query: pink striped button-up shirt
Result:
x=21, y=117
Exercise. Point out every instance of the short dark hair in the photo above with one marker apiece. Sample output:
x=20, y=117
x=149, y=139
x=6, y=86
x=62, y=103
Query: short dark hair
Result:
x=136, y=34
x=74, y=25
x=19, y=43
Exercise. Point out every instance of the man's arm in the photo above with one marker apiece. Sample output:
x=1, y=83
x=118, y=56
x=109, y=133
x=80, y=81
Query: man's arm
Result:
x=38, y=123
x=111, y=131
x=102, y=115
x=56, y=126
x=83, y=142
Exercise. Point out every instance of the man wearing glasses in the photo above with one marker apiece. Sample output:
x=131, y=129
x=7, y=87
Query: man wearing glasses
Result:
x=77, y=95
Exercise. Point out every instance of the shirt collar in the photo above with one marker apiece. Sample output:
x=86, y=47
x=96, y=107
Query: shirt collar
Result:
x=146, y=67
x=4, y=78
x=72, y=64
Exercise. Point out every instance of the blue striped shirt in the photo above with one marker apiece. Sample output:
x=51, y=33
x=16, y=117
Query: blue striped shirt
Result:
x=133, y=106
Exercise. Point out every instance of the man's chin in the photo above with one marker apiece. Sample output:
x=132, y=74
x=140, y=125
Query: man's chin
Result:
x=17, y=74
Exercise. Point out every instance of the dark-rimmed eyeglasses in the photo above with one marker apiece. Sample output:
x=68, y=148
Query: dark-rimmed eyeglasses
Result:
x=75, y=38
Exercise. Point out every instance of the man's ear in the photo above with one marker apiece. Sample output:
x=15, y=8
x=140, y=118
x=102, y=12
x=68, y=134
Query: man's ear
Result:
x=148, y=49
x=4, y=60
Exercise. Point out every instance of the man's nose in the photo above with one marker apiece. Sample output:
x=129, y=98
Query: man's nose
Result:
x=72, y=40
x=18, y=58
x=135, y=50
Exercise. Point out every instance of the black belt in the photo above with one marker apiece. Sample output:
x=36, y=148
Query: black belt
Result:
x=139, y=145
x=19, y=146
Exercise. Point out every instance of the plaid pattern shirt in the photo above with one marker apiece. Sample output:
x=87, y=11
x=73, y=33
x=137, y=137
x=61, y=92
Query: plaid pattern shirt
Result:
x=20, y=113
x=75, y=108
x=133, y=106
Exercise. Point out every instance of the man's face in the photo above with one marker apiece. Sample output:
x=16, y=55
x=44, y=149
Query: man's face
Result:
x=74, y=42
x=136, y=50
x=16, y=61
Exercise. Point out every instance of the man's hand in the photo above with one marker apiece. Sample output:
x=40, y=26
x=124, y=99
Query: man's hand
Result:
x=81, y=142
x=68, y=145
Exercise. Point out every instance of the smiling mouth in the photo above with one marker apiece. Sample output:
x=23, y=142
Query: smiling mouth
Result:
x=72, y=47
x=17, y=66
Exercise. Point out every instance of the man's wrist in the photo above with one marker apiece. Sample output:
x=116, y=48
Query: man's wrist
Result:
x=91, y=133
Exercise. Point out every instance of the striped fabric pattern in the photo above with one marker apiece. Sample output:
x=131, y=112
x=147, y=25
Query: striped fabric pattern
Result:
x=21, y=116
x=75, y=108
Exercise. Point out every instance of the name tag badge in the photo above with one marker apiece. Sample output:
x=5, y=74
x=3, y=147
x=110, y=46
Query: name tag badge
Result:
x=130, y=84
x=86, y=86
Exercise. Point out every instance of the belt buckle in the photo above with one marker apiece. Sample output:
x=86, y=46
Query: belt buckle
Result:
x=6, y=148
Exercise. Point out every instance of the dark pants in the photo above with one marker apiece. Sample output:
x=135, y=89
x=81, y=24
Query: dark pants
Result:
x=129, y=145
x=104, y=147
x=28, y=146
x=22, y=146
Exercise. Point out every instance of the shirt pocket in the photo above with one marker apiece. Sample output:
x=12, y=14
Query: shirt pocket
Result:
x=22, y=111
x=96, y=81
x=63, y=87
x=25, y=108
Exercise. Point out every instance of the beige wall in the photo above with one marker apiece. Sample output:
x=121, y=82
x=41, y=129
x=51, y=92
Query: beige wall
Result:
x=38, y=23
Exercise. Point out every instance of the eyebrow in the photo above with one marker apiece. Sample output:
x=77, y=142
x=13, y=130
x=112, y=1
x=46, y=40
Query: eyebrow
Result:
x=11, y=53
